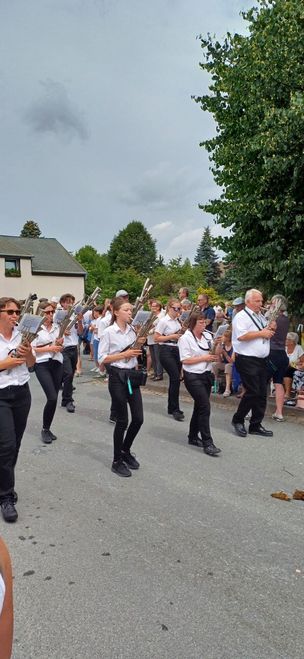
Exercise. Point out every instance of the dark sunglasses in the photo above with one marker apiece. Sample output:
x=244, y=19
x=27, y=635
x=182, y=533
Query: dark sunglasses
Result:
x=11, y=312
x=176, y=308
x=48, y=312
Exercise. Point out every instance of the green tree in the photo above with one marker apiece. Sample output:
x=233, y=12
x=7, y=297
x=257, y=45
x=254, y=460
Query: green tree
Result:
x=257, y=100
x=30, y=230
x=207, y=258
x=133, y=247
x=98, y=269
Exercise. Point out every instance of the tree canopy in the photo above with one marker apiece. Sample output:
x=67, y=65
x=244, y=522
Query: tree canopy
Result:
x=207, y=258
x=30, y=230
x=257, y=100
x=133, y=247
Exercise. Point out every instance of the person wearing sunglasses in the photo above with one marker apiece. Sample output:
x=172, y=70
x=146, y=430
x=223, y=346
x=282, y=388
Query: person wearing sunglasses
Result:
x=15, y=401
x=194, y=348
x=48, y=367
x=167, y=333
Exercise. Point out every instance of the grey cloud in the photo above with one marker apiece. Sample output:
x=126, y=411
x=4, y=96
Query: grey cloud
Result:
x=161, y=187
x=55, y=113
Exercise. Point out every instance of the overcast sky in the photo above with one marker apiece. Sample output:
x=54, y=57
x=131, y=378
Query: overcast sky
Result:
x=97, y=123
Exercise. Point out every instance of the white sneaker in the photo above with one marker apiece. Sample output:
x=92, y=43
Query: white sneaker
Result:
x=226, y=393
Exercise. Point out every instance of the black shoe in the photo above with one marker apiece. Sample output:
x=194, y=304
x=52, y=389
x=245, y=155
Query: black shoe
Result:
x=54, y=437
x=212, y=450
x=130, y=460
x=121, y=469
x=240, y=429
x=260, y=430
x=178, y=416
x=9, y=512
x=70, y=407
x=46, y=436
x=195, y=441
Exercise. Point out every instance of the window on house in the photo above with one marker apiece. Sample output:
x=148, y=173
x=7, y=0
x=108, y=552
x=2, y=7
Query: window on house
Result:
x=12, y=267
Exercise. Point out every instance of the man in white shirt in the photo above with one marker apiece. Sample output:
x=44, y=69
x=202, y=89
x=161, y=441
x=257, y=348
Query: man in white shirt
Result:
x=251, y=343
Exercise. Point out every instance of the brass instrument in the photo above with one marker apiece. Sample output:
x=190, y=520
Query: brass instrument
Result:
x=142, y=299
x=27, y=306
x=28, y=327
x=185, y=323
x=144, y=330
x=71, y=316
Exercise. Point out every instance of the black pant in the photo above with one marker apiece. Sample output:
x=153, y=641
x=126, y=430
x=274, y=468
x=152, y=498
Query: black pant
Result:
x=253, y=372
x=169, y=359
x=199, y=387
x=15, y=403
x=154, y=352
x=70, y=357
x=49, y=375
x=120, y=398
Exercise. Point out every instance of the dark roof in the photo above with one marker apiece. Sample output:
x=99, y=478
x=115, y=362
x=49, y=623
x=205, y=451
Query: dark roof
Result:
x=47, y=254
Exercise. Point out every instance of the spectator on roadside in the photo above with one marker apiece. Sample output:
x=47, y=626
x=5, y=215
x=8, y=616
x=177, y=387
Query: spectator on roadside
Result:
x=183, y=293
x=224, y=350
x=206, y=309
x=294, y=351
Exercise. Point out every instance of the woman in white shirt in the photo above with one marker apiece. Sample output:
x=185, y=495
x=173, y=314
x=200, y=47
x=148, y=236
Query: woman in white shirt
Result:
x=115, y=349
x=15, y=401
x=167, y=333
x=294, y=351
x=194, y=347
x=49, y=367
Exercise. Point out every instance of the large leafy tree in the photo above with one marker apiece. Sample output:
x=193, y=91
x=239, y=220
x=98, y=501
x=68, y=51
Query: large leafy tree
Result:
x=257, y=100
x=98, y=269
x=30, y=230
x=133, y=247
x=207, y=258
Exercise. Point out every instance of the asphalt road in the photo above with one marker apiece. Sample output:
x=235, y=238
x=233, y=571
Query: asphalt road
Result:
x=189, y=559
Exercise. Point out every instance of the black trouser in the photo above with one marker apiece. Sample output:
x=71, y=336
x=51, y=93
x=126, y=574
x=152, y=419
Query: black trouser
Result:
x=199, y=387
x=154, y=352
x=70, y=357
x=49, y=375
x=15, y=403
x=253, y=372
x=120, y=398
x=169, y=359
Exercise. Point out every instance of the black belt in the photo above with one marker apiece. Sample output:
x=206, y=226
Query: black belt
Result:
x=13, y=387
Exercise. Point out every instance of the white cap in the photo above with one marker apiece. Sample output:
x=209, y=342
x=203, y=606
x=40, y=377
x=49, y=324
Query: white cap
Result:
x=121, y=293
x=55, y=299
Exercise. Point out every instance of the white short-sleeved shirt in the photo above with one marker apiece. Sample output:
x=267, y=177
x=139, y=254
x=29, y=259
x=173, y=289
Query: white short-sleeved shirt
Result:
x=189, y=346
x=2, y=593
x=43, y=337
x=103, y=324
x=295, y=355
x=242, y=323
x=18, y=375
x=71, y=340
x=166, y=326
x=114, y=340
x=150, y=337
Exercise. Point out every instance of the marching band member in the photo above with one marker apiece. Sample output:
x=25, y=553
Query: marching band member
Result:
x=194, y=348
x=48, y=367
x=167, y=333
x=115, y=339
x=15, y=401
x=70, y=354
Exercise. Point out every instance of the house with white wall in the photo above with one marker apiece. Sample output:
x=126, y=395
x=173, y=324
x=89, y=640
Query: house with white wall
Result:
x=38, y=265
